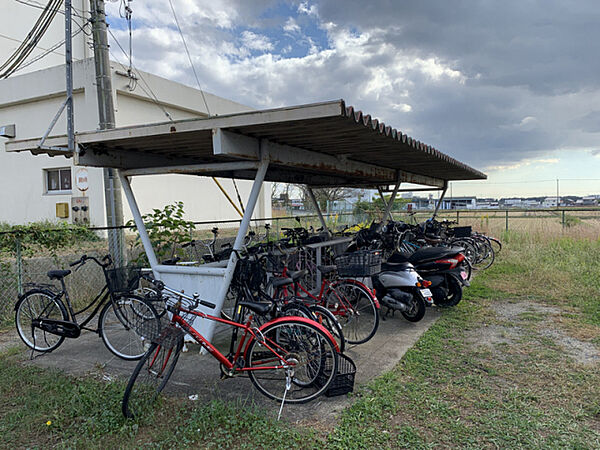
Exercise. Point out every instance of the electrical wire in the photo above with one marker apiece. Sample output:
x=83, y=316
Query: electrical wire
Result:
x=47, y=52
x=18, y=57
x=151, y=93
x=189, y=57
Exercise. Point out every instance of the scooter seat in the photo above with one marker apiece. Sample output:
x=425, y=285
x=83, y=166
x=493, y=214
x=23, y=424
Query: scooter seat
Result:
x=395, y=266
x=431, y=254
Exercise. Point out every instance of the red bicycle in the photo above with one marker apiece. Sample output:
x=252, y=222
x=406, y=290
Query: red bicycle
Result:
x=354, y=305
x=289, y=359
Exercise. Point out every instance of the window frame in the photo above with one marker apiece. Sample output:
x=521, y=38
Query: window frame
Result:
x=58, y=170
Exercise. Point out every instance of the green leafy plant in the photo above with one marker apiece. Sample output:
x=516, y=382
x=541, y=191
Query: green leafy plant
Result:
x=167, y=229
x=46, y=235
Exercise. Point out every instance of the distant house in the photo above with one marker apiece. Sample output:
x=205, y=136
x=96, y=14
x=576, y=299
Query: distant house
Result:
x=550, y=202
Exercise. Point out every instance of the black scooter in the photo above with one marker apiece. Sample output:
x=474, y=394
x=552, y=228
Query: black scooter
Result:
x=445, y=267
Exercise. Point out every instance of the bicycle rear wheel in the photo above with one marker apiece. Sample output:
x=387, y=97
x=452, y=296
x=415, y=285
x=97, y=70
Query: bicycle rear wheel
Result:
x=356, y=310
x=127, y=326
x=326, y=318
x=39, y=304
x=149, y=378
x=310, y=355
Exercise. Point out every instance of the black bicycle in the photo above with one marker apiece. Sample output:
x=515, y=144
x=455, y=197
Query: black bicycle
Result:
x=44, y=315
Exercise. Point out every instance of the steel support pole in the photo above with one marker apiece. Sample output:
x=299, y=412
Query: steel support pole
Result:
x=239, y=239
x=441, y=199
x=137, y=218
x=311, y=194
x=69, y=76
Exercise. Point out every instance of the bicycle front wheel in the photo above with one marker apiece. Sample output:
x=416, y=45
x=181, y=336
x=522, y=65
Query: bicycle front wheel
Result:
x=356, y=310
x=127, y=325
x=311, y=361
x=37, y=305
x=149, y=378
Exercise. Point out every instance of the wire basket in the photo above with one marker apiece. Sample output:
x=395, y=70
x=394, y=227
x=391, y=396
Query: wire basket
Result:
x=461, y=231
x=169, y=336
x=123, y=279
x=362, y=263
x=278, y=260
x=343, y=381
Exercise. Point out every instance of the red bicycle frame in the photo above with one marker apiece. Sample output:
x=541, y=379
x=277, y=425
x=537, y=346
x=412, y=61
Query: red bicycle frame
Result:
x=267, y=343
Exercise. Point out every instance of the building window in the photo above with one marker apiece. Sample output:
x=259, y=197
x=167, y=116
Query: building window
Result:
x=58, y=181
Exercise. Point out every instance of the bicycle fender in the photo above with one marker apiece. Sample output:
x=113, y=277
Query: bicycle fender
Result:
x=362, y=285
x=35, y=291
x=297, y=319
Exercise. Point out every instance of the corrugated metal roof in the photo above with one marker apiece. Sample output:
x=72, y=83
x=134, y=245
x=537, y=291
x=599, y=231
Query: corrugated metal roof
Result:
x=329, y=129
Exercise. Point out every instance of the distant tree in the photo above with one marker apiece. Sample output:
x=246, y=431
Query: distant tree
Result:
x=325, y=195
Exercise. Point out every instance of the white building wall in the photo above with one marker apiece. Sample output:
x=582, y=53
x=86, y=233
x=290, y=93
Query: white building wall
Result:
x=30, y=101
x=17, y=19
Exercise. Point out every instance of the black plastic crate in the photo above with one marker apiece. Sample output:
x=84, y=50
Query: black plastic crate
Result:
x=462, y=231
x=343, y=382
x=362, y=263
x=123, y=279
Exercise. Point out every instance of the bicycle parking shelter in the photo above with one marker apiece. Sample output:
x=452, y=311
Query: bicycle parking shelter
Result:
x=318, y=145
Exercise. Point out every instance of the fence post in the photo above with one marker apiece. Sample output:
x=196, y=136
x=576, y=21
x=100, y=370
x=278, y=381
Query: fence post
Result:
x=457, y=216
x=563, y=218
x=19, y=266
x=507, y=220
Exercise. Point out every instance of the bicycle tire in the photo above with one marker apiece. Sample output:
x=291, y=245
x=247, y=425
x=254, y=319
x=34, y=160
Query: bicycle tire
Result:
x=329, y=321
x=485, y=253
x=35, y=304
x=149, y=378
x=309, y=351
x=355, y=308
x=127, y=325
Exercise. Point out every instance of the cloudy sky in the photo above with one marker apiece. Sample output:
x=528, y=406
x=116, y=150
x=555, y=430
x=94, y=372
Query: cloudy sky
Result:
x=511, y=88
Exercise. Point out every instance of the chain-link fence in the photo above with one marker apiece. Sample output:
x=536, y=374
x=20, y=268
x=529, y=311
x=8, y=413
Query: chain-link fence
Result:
x=22, y=263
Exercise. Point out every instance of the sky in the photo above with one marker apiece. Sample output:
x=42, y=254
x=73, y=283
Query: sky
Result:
x=511, y=88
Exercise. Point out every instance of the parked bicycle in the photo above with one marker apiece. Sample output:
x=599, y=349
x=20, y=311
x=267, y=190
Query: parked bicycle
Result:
x=289, y=359
x=44, y=315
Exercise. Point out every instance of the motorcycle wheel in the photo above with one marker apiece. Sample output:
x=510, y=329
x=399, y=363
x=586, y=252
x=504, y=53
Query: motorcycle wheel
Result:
x=454, y=293
x=417, y=311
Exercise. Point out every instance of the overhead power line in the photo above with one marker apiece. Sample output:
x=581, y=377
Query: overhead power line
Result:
x=189, y=56
x=32, y=39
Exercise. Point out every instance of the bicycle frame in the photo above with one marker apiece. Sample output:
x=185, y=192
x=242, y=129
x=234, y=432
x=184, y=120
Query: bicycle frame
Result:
x=330, y=286
x=244, y=342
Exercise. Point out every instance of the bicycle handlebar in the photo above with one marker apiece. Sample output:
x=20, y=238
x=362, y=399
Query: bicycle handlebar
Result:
x=84, y=258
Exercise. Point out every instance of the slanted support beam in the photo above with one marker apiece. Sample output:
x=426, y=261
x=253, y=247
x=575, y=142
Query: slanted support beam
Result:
x=439, y=203
x=311, y=194
x=139, y=223
x=389, y=205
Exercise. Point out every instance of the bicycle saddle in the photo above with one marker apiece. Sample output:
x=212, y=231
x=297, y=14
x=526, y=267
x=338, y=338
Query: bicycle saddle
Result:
x=261, y=308
x=278, y=282
x=58, y=274
x=295, y=276
x=326, y=269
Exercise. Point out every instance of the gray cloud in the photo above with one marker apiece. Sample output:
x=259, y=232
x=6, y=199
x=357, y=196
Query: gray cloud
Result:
x=487, y=82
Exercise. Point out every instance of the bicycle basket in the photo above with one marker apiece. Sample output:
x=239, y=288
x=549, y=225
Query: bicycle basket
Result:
x=343, y=381
x=123, y=279
x=249, y=272
x=461, y=231
x=362, y=263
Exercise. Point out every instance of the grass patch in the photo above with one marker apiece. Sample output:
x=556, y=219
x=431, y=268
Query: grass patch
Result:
x=490, y=372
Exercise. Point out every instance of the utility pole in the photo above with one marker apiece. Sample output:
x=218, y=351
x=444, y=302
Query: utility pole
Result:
x=106, y=118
